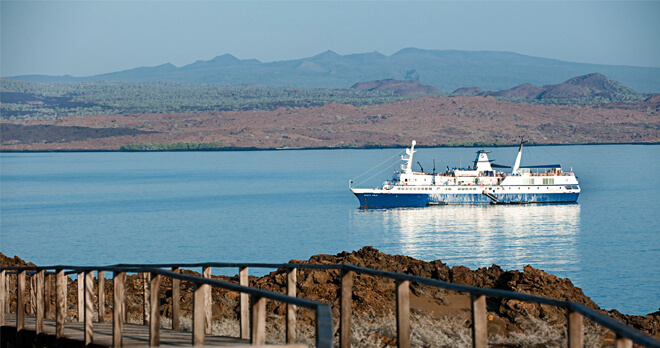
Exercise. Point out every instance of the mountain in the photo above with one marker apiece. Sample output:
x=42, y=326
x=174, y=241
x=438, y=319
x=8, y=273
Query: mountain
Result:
x=445, y=70
x=594, y=87
x=403, y=88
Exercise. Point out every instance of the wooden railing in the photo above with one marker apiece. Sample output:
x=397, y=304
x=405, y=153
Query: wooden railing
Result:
x=625, y=335
x=201, y=302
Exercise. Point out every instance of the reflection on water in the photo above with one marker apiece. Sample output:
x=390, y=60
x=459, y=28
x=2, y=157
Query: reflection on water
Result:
x=511, y=236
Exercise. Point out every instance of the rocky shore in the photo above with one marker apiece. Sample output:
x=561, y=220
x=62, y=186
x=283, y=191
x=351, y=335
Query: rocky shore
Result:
x=374, y=297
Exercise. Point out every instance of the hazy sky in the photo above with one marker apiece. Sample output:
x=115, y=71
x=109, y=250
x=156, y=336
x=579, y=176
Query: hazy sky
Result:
x=83, y=38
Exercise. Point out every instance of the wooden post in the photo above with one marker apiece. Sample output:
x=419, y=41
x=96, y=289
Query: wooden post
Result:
x=199, y=318
x=118, y=295
x=258, y=333
x=479, y=322
x=20, y=302
x=20, y=308
x=32, y=308
x=48, y=293
x=622, y=342
x=208, y=305
x=89, y=308
x=291, y=308
x=345, y=308
x=176, y=298
x=154, y=327
x=403, y=313
x=81, y=297
x=3, y=296
x=39, y=329
x=60, y=303
x=7, y=302
x=244, y=303
x=575, y=330
x=101, y=296
x=146, y=278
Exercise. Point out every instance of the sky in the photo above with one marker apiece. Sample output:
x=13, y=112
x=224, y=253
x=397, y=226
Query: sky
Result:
x=84, y=38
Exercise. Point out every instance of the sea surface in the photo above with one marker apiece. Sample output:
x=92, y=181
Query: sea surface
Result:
x=102, y=208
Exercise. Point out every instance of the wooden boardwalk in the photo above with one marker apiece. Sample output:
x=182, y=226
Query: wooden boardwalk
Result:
x=252, y=316
x=133, y=335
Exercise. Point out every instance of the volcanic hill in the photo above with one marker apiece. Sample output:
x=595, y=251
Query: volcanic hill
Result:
x=591, y=87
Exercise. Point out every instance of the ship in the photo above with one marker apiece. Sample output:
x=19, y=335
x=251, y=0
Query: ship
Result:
x=482, y=183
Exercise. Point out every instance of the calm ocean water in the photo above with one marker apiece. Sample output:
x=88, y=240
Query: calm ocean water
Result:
x=275, y=206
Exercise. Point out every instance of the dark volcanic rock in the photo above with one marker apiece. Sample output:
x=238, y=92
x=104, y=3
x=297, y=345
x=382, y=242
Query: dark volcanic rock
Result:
x=468, y=91
x=523, y=91
x=26, y=134
x=398, y=87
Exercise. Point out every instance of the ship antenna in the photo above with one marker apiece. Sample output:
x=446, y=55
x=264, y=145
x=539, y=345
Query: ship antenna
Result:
x=433, y=166
x=420, y=166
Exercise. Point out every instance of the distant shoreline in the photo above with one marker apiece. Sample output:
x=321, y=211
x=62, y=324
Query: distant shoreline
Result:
x=375, y=147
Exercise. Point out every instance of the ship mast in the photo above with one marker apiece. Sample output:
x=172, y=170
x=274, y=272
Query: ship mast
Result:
x=407, y=168
x=516, y=165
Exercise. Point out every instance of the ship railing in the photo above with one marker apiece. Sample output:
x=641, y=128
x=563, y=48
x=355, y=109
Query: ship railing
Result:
x=625, y=335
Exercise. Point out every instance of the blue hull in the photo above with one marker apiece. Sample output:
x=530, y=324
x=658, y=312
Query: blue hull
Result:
x=383, y=200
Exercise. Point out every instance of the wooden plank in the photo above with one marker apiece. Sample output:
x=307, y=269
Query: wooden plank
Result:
x=89, y=308
x=291, y=283
x=39, y=292
x=3, y=296
x=403, y=313
x=48, y=295
x=32, y=307
x=134, y=335
x=176, y=300
x=154, y=327
x=118, y=297
x=258, y=332
x=244, y=304
x=198, y=315
x=622, y=342
x=208, y=305
x=60, y=303
x=101, y=296
x=81, y=297
x=20, y=302
x=479, y=322
x=146, y=278
x=345, y=308
x=575, y=330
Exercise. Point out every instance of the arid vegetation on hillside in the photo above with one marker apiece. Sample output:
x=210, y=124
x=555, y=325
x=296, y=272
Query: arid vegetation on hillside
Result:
x=431, y=120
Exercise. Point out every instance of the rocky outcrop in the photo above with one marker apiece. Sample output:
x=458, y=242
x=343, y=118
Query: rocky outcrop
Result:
x=398, y=87
x=468, y=91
